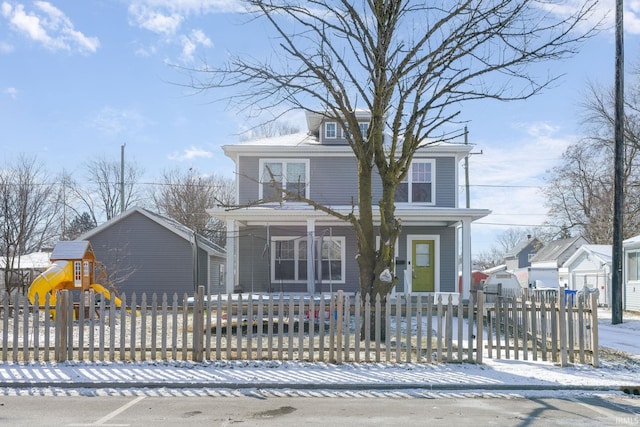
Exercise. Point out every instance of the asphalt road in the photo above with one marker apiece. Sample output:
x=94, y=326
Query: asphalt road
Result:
x=281, y=408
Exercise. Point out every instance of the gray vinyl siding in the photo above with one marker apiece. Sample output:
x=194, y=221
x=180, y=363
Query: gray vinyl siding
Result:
x=254, y=272
x=446, y=191
x=146, y=257
x=334, y=180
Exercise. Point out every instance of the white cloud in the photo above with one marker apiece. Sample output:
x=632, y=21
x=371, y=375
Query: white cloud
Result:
x=48, y=26
x=12, y=92
x=154, y=20
x=190, y=154
x=190, y=44
x=508, y=178
x=604, y=12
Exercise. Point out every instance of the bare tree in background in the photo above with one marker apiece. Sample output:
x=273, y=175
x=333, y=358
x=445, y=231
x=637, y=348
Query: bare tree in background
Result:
x=411, y=65
x=100, y=197
x=505, y=242
x=580, y=190
x=29, y=216
x=269, y=129
x=185, y=197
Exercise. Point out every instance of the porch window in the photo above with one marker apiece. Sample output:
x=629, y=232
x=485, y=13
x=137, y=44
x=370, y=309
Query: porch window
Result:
x=417, y=187
x=284, y=266
x=332, y=256
x=289, y=259
x=290, y=175
x=633, y=266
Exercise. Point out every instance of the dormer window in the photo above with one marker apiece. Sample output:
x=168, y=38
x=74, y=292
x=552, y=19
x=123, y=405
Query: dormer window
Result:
x=291, y=175
x=418, y=185
x=331, y=130
x=364, y=128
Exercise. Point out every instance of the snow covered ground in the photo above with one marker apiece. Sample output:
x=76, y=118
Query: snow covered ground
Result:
x=620, y=368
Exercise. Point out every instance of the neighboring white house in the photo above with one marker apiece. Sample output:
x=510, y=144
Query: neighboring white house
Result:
x=546, y=265
x=631, y=274
x=590, y=266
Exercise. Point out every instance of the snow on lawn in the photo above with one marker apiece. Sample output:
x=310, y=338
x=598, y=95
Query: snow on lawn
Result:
x=620, y=367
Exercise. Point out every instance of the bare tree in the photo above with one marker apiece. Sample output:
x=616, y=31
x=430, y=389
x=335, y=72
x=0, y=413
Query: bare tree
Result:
x=101, y=197
x=29, y=215
x=580, y=190
x=489, y=258
x=505, y=242
x=268, y=130
x=411, y=65
x=185, y=197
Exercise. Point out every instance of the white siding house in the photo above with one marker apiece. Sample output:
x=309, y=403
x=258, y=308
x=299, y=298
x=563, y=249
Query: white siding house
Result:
x=631, y=274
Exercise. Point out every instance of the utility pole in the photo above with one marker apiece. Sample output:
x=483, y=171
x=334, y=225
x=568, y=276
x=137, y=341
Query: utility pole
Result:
x=122, y=178
x=618, y=185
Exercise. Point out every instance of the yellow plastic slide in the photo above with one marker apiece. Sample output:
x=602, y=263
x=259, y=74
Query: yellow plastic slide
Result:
x=104, y=291
x=58, y=276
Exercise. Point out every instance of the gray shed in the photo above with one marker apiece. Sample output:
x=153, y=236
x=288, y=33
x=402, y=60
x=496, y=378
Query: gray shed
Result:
x=146, y=252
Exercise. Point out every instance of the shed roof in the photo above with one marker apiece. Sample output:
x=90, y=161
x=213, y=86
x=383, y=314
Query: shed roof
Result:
x=168, y=223
x=522, y=245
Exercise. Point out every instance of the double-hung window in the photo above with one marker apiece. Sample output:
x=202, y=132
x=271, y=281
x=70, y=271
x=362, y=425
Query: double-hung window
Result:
x=331, y=130
x=364, y=128
x=289, y=259
x=418, y=185
x=633, y=266
x=283, y=179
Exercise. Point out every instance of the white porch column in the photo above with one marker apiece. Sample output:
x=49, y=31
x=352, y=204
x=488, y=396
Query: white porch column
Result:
x=311, y=231
x=466, y=257
x=232, y=235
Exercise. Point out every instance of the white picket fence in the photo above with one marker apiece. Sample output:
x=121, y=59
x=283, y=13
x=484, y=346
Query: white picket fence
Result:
x=331, y=328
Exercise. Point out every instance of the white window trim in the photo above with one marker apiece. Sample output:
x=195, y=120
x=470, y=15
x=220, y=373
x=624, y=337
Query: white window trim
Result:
x=343, y=264
x=296, y=251
x=284, y=161
x=409, y=179
x=337, y=130
x=627, y=269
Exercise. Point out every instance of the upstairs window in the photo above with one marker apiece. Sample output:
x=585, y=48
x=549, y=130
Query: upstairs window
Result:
x=291, y=175
x=331, y=130
x=364, y=128
x=418, y=185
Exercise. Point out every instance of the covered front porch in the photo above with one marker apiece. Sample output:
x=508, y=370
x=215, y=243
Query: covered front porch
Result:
x=300, y=249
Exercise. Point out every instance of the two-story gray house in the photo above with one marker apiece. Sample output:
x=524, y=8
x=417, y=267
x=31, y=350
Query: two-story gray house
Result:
x=285, y=246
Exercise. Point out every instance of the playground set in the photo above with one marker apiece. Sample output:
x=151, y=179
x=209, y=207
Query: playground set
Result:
x=73, y=267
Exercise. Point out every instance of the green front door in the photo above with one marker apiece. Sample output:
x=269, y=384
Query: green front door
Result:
x=423, y=269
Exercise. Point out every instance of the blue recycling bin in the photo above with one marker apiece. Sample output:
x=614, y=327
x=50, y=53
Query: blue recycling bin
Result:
x=569, y=295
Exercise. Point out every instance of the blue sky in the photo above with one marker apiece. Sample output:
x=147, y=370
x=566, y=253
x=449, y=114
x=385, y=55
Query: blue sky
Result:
x=80, y=78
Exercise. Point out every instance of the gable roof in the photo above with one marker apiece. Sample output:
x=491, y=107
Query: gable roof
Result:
x=552, y=251
x=170, y=224
x=601, y=252
x=522, y=245
x=74, y=249
x=632, y=242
